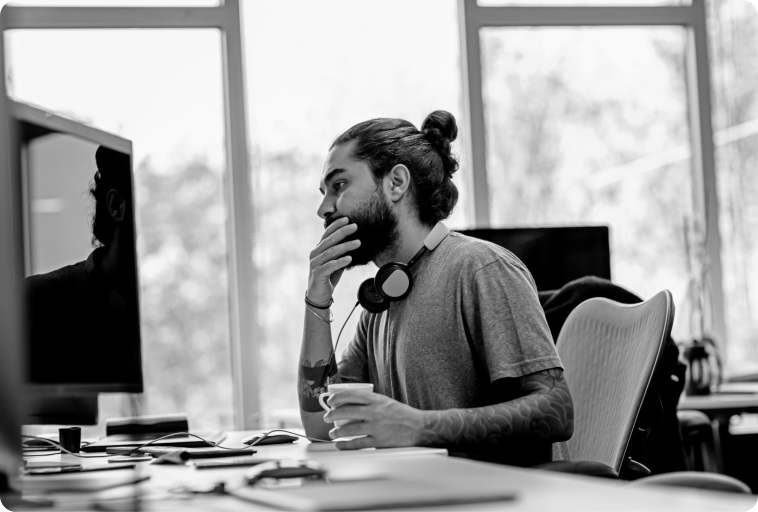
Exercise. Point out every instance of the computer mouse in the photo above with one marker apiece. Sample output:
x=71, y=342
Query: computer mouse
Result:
x=275, y=439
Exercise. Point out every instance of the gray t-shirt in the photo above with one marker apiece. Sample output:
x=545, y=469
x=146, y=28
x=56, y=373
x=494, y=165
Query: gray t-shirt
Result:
x=472, y=317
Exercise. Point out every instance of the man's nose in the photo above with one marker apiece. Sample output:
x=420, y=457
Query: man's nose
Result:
x=326, y=208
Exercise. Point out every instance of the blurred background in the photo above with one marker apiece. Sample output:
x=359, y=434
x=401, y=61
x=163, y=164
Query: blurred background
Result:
x=583, y=126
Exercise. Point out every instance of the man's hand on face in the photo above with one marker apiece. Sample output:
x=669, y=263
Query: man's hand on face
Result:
x=386, y=422
x=328, y=260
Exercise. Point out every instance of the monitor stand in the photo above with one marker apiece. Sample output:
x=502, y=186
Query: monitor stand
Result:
x=61, y=408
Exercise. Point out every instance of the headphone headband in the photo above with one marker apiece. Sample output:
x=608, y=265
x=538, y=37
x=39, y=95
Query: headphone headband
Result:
x=432, y=240
x=436, y=236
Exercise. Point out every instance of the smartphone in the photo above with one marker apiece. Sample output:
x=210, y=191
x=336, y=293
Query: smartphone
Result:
x=129, y=459
x=88, y=469
x=228, y=463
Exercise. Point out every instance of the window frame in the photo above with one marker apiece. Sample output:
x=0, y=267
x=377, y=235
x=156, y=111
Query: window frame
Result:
x=240, y=225
x=692, y=18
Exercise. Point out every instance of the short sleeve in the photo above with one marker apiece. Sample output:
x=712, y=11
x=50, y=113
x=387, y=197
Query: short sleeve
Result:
x=506, y=322
x=353, y=365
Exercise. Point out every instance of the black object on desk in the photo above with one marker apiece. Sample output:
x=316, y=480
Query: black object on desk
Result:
x=277, y=439
x=81, y=469
x=132, y=440
x=191, y=453
x=70, y=438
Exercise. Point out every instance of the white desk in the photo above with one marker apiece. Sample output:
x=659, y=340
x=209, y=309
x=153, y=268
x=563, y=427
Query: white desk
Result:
x=535, y=490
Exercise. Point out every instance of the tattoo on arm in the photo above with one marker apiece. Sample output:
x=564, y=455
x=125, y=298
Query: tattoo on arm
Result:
x=544, y=411
x=312, y=382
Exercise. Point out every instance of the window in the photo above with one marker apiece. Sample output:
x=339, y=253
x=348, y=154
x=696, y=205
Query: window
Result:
x=733, y=26
x=588, y=125
x=311, y=77
x=673, y=213
x=162, y=90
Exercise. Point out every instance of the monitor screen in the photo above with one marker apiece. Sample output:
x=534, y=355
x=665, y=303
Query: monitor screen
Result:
x=555, y=255
x=80, y=284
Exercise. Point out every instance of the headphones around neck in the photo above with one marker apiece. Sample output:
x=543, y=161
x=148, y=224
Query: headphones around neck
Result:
x=393, y=281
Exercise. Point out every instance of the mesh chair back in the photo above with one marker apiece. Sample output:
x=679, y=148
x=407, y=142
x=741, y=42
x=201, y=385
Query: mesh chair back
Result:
x=610, y=352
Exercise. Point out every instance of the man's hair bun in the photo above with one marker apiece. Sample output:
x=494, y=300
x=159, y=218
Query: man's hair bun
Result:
x=440, y=126
x=440, y=129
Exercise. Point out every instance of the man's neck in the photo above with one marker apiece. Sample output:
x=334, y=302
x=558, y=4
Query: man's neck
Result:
x=109, y=264
x=412, y=234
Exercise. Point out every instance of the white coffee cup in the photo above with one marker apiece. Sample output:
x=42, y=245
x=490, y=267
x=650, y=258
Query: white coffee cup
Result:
x=336, y=388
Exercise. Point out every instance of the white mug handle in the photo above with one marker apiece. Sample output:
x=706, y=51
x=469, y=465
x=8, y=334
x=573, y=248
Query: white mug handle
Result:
x=322, y=400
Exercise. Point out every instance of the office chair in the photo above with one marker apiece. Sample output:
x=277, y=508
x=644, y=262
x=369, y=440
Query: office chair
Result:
x=610, y=352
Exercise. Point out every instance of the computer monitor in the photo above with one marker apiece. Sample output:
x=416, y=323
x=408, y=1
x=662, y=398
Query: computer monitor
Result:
x=74, y=208
x=11, y=338
x=555, y=255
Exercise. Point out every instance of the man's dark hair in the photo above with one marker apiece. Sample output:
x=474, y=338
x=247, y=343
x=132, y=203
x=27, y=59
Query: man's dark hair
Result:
x=113, y=173
x=385, y=143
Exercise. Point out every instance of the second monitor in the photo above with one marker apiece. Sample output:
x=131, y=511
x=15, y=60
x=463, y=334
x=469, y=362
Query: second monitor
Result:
x=555, y=255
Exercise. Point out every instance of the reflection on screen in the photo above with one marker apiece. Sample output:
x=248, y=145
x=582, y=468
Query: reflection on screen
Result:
x=81, y=284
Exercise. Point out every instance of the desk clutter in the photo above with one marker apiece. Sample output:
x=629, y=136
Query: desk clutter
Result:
x=317, y=476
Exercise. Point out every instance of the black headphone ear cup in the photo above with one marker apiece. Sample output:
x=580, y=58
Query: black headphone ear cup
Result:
x=393, y=281
x=371, y=300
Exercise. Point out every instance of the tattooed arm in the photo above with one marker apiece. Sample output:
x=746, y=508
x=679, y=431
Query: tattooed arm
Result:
x=542, y=413
x=327, y=262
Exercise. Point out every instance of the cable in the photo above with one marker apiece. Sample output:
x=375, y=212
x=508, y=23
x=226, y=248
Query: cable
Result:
x=333, y=355
x=211, y=443
x=61, y=448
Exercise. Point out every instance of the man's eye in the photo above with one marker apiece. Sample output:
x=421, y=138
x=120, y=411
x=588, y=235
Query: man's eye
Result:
x=338, y=185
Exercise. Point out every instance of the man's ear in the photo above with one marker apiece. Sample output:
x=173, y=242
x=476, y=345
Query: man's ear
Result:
x=116, y=205
x=399, y=182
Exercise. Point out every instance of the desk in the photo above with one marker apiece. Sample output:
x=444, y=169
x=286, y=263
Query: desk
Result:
x=536, y=490
x=732, y=398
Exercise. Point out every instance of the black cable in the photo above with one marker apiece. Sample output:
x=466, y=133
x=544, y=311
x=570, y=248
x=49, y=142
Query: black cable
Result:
x=210, y=443
x=333, y=356
x=216, y=445
x=61, y=448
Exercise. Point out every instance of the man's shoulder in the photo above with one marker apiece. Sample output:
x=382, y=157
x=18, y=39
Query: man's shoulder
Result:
x=475, y=254
x=57, y=279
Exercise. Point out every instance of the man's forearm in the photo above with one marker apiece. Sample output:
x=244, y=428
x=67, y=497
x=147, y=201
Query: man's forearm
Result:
x=313, y=371
x=546, y=414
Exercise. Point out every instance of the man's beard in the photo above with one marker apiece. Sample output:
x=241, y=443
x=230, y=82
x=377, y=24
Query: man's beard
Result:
x=377, y=230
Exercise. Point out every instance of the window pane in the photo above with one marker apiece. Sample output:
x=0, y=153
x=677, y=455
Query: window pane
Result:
x=566, y=3
x=115, y=3
x=589, y=126
x=162, y=90
x=311, y=77
x=733, y=27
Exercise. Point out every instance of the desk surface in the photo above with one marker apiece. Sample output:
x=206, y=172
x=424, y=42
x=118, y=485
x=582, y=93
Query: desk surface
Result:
x=535, y=490
x=732, y=398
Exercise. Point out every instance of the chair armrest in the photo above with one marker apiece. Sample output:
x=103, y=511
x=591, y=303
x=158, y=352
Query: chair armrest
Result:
x=579, y=467
x=696, y=480
x=633, y=470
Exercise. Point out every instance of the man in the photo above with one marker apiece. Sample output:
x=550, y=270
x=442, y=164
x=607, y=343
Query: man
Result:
x=86, y=314
x=466, y=360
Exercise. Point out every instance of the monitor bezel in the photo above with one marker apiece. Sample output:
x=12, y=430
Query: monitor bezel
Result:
x=28, y=122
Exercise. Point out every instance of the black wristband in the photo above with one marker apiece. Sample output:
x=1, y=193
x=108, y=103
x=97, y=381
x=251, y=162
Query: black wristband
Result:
x=317, y=306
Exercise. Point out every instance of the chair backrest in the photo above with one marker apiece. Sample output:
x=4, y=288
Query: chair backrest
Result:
x=610, y=352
